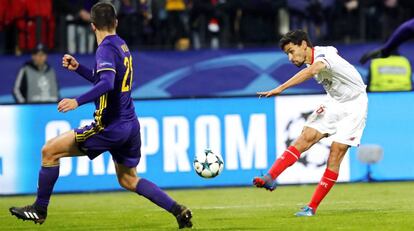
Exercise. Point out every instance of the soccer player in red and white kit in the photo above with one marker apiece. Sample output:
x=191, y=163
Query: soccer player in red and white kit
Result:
x=341, y=116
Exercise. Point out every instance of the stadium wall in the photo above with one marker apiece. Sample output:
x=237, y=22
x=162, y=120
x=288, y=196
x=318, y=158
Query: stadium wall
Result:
x=247, y=131
x=170, y=74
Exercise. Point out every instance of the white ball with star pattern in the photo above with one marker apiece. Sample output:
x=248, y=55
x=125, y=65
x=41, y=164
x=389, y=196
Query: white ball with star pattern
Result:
x=208, y=164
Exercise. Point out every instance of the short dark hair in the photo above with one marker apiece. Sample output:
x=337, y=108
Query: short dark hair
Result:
x=103, y=16
x=296, y=37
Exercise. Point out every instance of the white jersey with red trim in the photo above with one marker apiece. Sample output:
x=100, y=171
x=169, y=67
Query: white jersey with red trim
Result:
x=340, y=79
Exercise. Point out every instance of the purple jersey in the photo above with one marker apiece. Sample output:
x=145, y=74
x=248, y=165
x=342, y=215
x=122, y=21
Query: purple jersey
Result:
x=116, y=105
x=116, y=128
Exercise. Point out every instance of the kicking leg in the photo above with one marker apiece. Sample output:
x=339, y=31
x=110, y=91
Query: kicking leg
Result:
x=128, y=179
x=328, y=180
x=308, y=137
x=63, y=145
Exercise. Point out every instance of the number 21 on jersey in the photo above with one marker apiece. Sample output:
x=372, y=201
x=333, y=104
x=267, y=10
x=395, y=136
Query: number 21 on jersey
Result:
x=127, y=80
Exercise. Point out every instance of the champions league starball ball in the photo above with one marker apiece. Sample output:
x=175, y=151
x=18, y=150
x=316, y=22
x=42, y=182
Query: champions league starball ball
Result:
x=208, y=164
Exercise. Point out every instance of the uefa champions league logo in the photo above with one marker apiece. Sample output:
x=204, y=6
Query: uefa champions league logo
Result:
x=312, y=157
x=231, y=75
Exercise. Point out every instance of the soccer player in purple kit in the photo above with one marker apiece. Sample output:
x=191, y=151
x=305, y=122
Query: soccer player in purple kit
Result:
x=115, y=129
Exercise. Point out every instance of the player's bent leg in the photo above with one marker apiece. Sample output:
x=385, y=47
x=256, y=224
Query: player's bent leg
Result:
x=308, y=137
x=336, y=155
x=128, y=179
x=62, y=146
x=329, y=177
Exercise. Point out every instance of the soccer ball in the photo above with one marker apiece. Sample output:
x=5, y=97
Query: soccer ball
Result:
x=208, y=164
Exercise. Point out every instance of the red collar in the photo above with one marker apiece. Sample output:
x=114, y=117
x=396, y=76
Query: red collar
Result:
x=313, y=55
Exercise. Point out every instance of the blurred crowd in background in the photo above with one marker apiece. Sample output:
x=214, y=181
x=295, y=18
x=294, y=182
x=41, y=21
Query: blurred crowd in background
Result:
x=63, y=25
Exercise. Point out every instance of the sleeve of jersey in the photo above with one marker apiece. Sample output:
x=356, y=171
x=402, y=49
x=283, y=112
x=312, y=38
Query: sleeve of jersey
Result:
x=105, y=84
x=105, y=59
x=86, y=73
x=324, y=58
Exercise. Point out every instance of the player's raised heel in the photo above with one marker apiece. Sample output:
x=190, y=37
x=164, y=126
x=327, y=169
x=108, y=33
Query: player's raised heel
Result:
x=183, y=216
x=371, y=55
x=29, y=212
x=306, y=211
x=265, y=181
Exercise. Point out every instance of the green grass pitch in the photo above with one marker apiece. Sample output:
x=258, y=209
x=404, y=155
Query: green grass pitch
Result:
x=362, y=206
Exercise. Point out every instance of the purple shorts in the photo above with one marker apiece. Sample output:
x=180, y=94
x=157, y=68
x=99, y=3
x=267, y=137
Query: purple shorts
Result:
x=121, y=139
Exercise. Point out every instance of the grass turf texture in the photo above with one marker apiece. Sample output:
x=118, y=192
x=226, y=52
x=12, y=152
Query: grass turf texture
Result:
x=376, y=206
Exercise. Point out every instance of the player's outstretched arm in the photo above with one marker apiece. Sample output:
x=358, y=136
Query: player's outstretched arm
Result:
x=300, y=77
x=105, y=84
x=72, y=64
